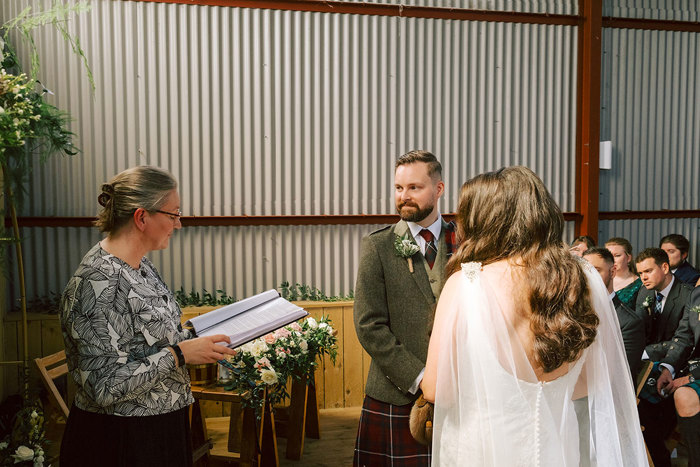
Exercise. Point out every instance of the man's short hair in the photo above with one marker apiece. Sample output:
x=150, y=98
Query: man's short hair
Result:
x=660, y=257
x=602, y=252
x=677, y=240
x=434, y=166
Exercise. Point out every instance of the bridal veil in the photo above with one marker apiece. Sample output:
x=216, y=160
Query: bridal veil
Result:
x=491, y=410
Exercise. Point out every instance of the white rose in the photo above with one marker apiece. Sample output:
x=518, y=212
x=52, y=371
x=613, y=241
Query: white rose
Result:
x=268, y=376
x=22, y=454
x=330, y=330
x=259, y=346
x=34, y=414
x=304, y=345
x=312, y=323
x=322, y=325
x=247, y=348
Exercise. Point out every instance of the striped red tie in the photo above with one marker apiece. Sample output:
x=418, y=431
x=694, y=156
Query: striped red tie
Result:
x=430, y=248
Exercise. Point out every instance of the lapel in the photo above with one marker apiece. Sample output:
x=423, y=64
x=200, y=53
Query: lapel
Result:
x=419, y=275
x=669, y=307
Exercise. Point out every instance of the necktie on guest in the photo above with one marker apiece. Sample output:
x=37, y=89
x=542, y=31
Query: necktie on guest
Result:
x=655, y=317
x=659, y=299
x=430, y=248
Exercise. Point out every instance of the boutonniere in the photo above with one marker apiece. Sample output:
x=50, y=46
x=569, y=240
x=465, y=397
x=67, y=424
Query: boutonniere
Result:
x=696, y=309
x=405, y=248
x=648, y=301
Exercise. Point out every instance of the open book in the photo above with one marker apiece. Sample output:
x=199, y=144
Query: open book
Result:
x=248, y=319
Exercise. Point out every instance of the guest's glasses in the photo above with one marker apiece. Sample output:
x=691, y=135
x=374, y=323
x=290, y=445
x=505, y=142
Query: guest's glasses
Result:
x=174, y=216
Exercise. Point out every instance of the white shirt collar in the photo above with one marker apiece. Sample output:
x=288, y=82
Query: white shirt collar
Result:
x=435, y=228
x=667, y=289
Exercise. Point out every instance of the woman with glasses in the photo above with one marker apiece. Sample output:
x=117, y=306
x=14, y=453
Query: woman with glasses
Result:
x=125, y=347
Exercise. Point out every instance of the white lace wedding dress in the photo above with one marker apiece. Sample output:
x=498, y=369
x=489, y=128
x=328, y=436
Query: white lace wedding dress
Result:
x=492, y=410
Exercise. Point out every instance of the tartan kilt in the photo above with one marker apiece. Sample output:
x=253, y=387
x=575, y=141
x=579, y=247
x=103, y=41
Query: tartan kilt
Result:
x=384, y=437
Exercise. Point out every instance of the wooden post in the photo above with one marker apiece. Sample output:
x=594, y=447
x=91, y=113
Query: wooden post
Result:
x=588, y=118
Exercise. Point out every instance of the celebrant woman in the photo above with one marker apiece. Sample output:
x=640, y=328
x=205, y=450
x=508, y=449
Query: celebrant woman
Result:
x=526, y=363
x=125, y=348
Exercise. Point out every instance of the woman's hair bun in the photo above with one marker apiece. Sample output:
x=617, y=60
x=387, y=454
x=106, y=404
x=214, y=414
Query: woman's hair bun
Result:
x=106, y=196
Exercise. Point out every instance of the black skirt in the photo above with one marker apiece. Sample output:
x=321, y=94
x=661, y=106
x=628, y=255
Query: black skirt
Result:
x=93, y=439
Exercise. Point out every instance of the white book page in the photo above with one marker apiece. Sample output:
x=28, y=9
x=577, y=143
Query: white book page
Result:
x=254, y=323
x=208, y=320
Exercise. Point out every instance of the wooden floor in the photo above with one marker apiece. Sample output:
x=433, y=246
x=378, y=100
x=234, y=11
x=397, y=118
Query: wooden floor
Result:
x=335, y=448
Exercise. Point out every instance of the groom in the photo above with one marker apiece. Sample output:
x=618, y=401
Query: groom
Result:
x=395, y=298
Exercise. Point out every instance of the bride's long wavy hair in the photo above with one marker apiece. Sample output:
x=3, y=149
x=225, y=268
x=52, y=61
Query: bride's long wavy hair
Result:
x=509, y=214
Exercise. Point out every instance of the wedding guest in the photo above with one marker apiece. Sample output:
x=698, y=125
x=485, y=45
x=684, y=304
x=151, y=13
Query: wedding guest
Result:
x=661, y=303
x=526, y=363
x=631, y=324
x=626, y=282
x=581, y=244
x=686, y=389
x=395, y=297
x=676, y=247
x=125, y=348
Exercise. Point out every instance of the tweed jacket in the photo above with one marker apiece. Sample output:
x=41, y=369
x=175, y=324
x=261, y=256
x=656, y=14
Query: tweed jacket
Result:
x=658, y=345
x=394, y=311
x=685, y=340
x=633, y=336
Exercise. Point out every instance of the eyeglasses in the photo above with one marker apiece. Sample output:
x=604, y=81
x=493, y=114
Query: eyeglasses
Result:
x=173, y=215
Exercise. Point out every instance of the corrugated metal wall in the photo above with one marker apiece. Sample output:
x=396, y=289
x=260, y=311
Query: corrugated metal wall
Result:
x=650, y=96
x=264, y=112
x=677, y=10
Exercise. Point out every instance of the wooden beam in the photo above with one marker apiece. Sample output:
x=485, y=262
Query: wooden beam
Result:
x=651, y=24
x=588, y=118
x=384, y=9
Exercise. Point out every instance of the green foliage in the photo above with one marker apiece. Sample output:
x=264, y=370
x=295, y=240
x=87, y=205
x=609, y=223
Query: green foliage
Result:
x=299, y=292
x=57, y=16
x=205, y=299
x=296, y=292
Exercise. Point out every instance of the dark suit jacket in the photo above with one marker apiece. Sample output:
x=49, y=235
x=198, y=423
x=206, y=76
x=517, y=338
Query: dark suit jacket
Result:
x=685, y=340
x=687, y=273
x=659, y=344
x=633, y=334
x=393, y=313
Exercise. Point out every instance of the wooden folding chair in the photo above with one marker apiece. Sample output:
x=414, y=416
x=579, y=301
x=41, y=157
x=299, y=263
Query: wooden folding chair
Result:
x=51, y=368
x=642, y=376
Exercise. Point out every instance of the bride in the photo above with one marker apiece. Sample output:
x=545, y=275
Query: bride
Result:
x=526, y=363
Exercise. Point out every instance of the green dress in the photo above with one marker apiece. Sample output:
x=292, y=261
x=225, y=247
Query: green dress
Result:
x=628, y=295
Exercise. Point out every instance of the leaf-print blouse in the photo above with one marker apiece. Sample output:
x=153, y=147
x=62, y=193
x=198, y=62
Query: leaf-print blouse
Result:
x=117, y=322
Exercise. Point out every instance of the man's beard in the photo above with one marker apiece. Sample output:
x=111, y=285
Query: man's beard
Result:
x=414, y=216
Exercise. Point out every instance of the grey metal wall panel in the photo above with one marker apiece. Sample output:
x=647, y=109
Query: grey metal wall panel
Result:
x=677, y=10
x=650, y=95
x=277, y=112
x=263, y=112
x=643, y=233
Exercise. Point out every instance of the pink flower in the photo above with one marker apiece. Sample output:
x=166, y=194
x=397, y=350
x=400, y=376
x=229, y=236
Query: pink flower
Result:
x=263, y=362
x=270, y=338
x=295, y=326
x=282, y=333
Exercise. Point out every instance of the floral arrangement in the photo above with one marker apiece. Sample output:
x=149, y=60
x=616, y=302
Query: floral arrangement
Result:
x=269, y=361
x=24, y=446
x=406, y=247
